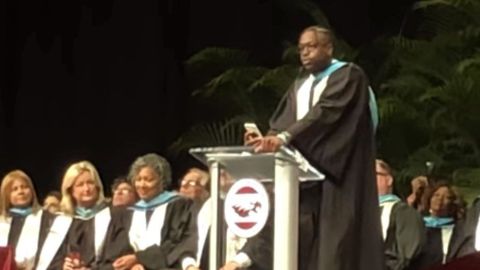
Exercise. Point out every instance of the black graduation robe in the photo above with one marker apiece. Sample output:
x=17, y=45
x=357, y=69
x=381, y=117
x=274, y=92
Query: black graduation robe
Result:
x=260, y=248
x=432, y=252
x=257, y=248
x=337, y=137
x=471, y=224
x=16, y=227
x=405, y=237
x=46, y=222
x=178, y=238
x=82, y=234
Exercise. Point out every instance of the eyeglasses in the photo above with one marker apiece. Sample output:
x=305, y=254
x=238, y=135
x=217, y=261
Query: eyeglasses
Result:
x=382, y=174
x=309, y=47
x=190, y=183
x=122, y=190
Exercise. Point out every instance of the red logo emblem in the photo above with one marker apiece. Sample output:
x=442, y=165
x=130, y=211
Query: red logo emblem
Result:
x=246, y=208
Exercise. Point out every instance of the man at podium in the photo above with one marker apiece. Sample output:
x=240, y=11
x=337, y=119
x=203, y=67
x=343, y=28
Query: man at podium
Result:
x=326, y=116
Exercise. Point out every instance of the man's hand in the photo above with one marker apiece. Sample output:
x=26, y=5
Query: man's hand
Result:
x=191, y=267
x=231, y=266
x=140, y=267
x=125, y=262
x=269, y=144
x=251, y=138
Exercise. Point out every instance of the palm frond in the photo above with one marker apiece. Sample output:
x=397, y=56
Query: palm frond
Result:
x=442, y=16
x=277, y=79
x=395, y=108
x=470, y=32
x=290, y=54
x=227, y=95
x=211, y=62
x=408, y=86
x=214, y=56
x=379, y=60
x=223, y=133
x=237, y=79
x=468, y=63
x=344, y=51
x=441, y=20
x=467, y=177
x=451, y=3
x=407, y=44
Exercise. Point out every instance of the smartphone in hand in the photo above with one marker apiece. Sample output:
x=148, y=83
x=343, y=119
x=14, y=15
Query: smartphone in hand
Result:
x=252, y=128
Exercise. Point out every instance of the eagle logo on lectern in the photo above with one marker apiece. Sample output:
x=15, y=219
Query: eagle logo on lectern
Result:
x=246, y=208
x=245, y=212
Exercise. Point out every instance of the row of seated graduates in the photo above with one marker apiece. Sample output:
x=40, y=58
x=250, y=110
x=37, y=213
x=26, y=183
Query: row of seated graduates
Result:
x=159, y=231
x=432, y=230
x=117, y=243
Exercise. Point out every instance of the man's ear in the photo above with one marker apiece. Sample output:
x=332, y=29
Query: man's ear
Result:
x=390, y=181
x=330, y=50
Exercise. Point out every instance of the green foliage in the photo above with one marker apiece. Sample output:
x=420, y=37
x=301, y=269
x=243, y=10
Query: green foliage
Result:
x=212, y=62
x=430, y=87
x=428, y=90
x=467, y=177
x=228, y=84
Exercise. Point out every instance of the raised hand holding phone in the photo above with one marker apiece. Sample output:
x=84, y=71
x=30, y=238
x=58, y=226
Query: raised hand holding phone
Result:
x=253, y=135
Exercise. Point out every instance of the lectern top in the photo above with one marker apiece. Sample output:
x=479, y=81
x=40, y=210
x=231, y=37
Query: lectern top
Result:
x=243, y=162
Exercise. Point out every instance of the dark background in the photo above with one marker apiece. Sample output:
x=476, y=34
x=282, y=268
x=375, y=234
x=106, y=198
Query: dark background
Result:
x=104, y=81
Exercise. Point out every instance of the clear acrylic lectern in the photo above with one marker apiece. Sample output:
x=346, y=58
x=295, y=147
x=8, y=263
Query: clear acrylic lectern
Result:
x=283, y=168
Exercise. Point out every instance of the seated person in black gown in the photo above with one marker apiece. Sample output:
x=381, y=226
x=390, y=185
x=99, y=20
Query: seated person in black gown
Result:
x=158, y=232
x=195, y=185
x=83, y=199
x=445, y=231
x=51, y=202
x=123, y=192
x=402, y=226
x=25, y=226
x=253, y=253
x=240, y=253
